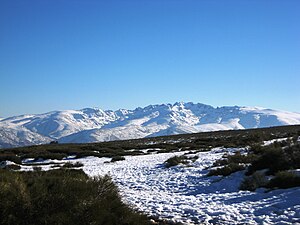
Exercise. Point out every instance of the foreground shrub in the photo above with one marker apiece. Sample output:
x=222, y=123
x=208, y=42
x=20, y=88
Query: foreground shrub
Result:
x=284, y=179
x=275, y=158
x=62, y=197
x=251, y=183
x=226, y=170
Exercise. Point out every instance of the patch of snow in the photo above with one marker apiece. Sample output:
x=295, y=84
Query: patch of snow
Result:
x=274, y=140
x=186, y=194
x=5, y=163
x=29, y=160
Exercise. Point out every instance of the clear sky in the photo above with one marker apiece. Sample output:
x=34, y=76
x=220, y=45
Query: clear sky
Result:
x=72, y=54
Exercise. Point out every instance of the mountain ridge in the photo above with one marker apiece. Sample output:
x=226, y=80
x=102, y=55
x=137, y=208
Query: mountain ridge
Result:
x=94, y=124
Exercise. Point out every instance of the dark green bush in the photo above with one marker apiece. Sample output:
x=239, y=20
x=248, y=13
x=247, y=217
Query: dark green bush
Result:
x=117, y=158
x=72, y=165
x=62, y=197
x=175, y=160
x=275, y=158
x=251, y=183
x=293, y=155
x=284, y=179
x=135, y=152
x=87, y=153
x=13, y=167
x=236, y=158
x=10, y=157
x=78, y=164
x=226, y=170
x=44, y=155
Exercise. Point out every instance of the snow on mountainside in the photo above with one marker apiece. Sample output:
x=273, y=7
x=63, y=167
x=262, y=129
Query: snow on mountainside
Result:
x=19, y=136
x=91, y=125
x=61, y=123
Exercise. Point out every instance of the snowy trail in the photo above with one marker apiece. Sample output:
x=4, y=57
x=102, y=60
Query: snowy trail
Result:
x=185, y=194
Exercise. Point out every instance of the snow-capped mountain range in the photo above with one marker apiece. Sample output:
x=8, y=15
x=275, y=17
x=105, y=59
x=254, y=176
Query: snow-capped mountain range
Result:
x=93, y=125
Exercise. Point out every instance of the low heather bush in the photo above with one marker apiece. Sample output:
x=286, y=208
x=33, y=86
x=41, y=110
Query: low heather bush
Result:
x=117, y=158
x=284, y=179
x=62, y=197
x=251, y=183
x=175, y=160
x=226, y=170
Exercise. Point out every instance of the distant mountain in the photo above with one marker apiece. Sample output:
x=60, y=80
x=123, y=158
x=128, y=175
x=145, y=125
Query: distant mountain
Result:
x=92, y=125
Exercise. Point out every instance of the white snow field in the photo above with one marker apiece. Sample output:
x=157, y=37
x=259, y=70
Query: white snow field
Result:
x=185, y=194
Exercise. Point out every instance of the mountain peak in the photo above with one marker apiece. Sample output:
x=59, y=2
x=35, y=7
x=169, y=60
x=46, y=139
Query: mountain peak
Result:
x=179, y=104
x=91, y=110
x=94, y=124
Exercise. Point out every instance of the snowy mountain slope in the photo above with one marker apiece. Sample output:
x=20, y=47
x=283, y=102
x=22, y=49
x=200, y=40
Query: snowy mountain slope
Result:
x=167, y=119
x=90, y=124
x=58, y=124
x=12, y=136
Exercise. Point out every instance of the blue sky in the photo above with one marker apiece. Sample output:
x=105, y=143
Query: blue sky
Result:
x=71, y=54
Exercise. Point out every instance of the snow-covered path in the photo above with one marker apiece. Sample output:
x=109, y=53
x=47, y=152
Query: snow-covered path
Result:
x=185, y=193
